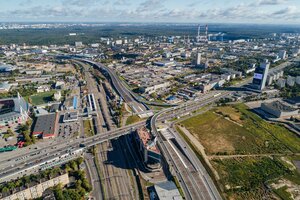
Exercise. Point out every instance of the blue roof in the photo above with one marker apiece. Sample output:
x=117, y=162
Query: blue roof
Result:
x=171, y=98
x=75, y=102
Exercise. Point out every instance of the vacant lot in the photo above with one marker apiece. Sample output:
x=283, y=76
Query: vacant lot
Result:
x=41, y=98
x=88, y=129
x=236, y=130
x=132, y=119
x=246, y=178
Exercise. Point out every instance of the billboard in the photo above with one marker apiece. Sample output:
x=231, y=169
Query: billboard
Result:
x=258, y=76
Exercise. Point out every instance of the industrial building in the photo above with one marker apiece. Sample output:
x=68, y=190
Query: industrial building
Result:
x=279, y=109
x=45, y=126
x=13, y=111
x=165, y=191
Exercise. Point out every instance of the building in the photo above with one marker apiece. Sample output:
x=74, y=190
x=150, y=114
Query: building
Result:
x=45, y=126
x=148, y=149
x=290, y=81
x=78, y=44
x=294, y=101
x=282, y=54
x=71, y=103
x=43, y=88
x=5, y=87
x=165, y=63
x=198, y=59
x=35, y=191
x=57, y=95
x=260, y=76
x=279, y=109
x=149, y=89
x=13, y=111
x=166, y=191
x=70, y=117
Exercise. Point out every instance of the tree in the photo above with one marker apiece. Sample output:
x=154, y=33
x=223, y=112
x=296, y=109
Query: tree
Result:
x=79, y=161
x=73, y=165
x=58, y=193
x=86, y=185
x=71, y=195
x=5, y=190
x=9, y=132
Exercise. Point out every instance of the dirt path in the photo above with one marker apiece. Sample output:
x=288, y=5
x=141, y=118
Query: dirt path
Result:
x=200, y=148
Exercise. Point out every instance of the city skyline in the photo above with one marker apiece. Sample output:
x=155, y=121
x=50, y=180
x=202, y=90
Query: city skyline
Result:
x=202, y=11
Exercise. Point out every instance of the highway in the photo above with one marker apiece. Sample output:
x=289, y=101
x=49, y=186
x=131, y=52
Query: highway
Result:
x=17, y=166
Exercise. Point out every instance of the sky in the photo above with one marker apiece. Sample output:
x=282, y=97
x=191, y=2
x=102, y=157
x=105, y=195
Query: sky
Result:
x=177, y=11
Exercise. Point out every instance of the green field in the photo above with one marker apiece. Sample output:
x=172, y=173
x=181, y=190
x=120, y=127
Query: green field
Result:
x=40, y=98
x=236, y=130
x=245, y=178
x=132, y=119
x=88, y=129
x=248, y=153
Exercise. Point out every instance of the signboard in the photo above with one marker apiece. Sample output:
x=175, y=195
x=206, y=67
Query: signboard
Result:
x=258, y=76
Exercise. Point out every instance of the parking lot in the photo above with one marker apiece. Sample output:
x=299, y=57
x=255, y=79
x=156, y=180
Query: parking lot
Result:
x=68, y=130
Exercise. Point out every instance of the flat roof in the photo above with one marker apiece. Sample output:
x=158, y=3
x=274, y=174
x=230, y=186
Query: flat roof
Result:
x=167, y=190
x=70, y=116
x=145, y=137
x=277, y=105
x=45, y=124
x=294, y=100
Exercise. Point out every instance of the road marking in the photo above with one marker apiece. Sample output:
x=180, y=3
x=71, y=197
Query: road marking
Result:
x=177, y=154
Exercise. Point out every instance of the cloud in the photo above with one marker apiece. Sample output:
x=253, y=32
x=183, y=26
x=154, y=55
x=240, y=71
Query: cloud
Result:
x=155, y=11
x=271, y=2
x=150, y=5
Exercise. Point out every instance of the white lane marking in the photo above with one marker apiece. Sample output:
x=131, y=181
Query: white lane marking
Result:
x=177, y=154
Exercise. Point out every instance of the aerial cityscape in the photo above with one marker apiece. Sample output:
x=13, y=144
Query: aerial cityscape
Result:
x=150, y=99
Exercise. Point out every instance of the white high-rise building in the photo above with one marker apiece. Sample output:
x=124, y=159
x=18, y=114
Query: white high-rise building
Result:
x=260, y=76
x=198, y=60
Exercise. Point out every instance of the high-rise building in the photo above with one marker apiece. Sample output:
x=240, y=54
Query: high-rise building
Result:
x=260, y=75
x=282, y=54
x=198, y=59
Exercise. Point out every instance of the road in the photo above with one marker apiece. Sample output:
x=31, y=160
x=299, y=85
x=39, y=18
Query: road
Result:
x=126, y=94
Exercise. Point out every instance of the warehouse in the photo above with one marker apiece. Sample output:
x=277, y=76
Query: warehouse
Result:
x=45, y=126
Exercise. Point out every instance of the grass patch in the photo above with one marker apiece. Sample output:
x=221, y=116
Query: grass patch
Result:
x=236, y=130
x=88, y=129
x=132, y=119
x=178, y=186
x=245, y=178
x=282, y=193
x=40, y=98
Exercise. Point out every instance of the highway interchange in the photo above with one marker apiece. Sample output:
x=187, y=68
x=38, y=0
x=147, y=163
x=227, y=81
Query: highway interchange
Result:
x=182, y=161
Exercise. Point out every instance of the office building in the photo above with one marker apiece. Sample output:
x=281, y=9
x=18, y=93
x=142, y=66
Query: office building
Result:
x=260, y=76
